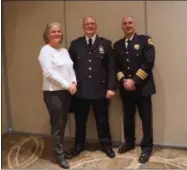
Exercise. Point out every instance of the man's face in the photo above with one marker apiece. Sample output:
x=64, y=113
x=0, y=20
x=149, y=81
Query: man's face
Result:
x=89, y=26
x=128, y=25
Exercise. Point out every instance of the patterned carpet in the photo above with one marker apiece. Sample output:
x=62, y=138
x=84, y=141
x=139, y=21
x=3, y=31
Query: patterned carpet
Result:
x=21, y=152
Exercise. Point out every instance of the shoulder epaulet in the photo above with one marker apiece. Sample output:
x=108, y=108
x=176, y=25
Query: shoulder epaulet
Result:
x=79, y=38
x=105, y=39
x=118, y=41
x=102, y=38
x=143, y=36
x=75, y=40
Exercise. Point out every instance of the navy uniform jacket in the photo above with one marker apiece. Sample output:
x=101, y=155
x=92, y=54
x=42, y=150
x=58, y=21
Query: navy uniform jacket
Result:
x=94, y=67
x=136, y=62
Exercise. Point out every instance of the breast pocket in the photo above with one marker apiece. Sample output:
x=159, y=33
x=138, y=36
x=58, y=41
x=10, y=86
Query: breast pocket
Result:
x=101, y=56
x=101, y=52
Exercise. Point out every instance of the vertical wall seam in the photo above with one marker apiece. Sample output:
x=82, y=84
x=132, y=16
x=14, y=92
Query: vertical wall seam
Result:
x=145, y=16
x=66, y=46
x=5, y=76
x=65, y=23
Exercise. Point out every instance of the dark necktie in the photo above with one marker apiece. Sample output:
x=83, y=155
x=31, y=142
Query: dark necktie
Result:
x=128, y=44
x=90, y=42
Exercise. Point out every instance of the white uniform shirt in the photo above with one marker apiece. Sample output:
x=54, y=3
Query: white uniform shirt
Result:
x=57, y=68
x=93, y=39
x=126, y=40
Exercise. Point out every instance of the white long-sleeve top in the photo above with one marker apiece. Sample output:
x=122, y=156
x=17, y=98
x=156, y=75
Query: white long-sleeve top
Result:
x=57, y=68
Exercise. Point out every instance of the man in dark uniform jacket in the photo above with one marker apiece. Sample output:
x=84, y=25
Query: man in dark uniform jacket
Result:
x=94, y=66
x=135, y=56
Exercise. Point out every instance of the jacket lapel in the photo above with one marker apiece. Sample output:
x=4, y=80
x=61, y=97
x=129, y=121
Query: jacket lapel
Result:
x=96, y=43
x=94, y=46
x=84, y=43
x=134, y=41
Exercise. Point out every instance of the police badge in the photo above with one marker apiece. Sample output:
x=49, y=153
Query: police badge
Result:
x=101, y=49
x=136, y=46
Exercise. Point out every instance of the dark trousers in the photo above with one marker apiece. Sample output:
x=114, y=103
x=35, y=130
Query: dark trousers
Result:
x=131, y=100
x=57, y=103
x=100, y=109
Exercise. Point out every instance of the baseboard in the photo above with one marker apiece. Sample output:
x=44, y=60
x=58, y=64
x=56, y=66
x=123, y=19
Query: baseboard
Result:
x=90, y=140
x=6, y=133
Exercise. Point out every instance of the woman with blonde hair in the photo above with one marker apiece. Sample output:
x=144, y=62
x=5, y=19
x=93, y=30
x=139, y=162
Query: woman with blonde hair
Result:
x=59, y=83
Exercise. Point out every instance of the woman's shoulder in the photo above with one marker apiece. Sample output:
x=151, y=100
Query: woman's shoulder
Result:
x=44, y=51
x=65, y=51
x=45, y=47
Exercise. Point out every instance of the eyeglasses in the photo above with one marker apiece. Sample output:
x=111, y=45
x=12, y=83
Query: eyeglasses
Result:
x=90, y=24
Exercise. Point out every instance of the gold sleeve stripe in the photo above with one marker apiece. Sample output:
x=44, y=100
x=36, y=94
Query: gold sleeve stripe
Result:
x=142, y=74
x=120, y=75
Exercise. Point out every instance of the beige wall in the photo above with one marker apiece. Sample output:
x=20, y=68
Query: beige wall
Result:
x=167, y=23
x=24, y=23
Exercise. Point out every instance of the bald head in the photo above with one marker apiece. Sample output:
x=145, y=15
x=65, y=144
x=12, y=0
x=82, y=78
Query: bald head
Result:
x=128, y=25
x=87, y=18
x=89, y=26
x=128, y=18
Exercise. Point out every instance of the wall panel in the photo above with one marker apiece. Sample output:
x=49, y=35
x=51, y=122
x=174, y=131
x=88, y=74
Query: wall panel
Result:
x=167, y=24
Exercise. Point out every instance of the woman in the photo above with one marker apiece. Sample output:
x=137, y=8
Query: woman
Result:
x=59, y=83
